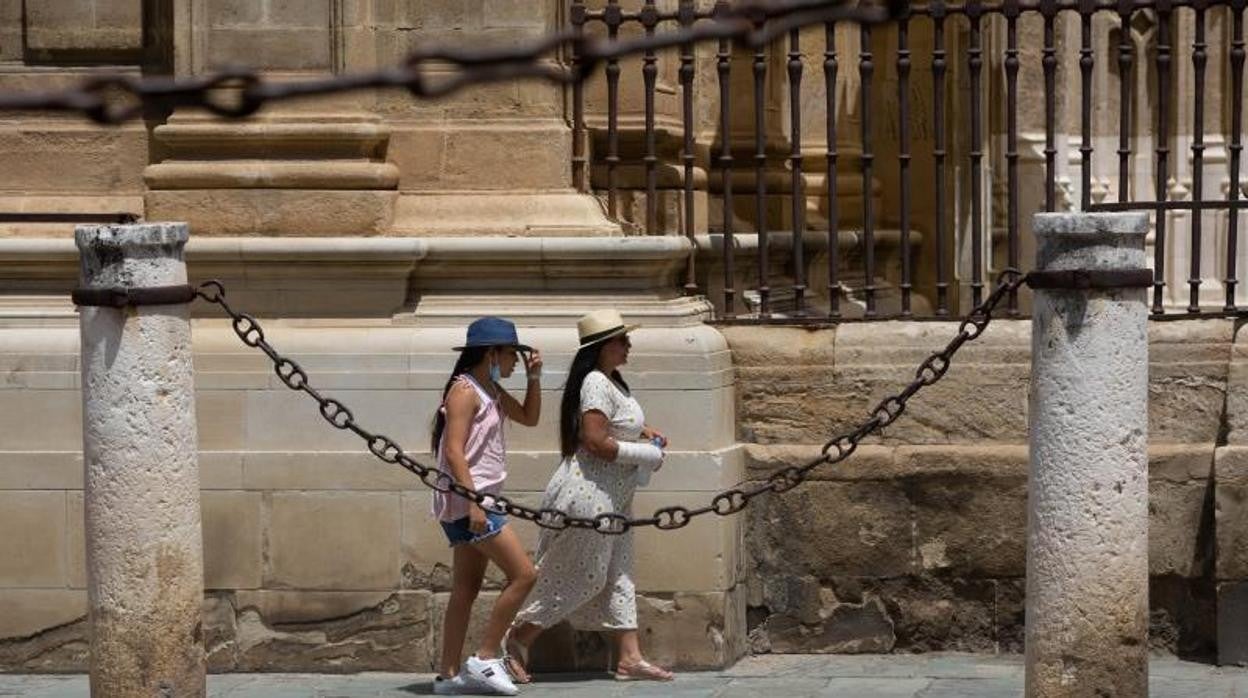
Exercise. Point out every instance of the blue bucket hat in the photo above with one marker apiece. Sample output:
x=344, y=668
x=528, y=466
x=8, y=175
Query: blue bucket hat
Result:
x=492, y=332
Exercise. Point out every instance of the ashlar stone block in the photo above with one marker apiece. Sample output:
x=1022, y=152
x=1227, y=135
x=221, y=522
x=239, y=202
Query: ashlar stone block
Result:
x=233, y=544
x=789, y=534
x=332, y=541
x=336, y=632
x=33, y=550
x=25, y=612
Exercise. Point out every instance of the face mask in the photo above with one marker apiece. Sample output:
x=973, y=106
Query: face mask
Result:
x=496, y=373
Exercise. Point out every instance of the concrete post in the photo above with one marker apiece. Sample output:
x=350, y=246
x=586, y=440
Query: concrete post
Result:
x=1087, y=499
x=143, y=538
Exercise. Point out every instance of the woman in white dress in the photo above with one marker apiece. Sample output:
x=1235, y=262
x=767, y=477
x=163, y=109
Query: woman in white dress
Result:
x=583, y=576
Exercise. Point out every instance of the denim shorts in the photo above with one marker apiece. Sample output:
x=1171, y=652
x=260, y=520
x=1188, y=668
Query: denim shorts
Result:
x=458, y=533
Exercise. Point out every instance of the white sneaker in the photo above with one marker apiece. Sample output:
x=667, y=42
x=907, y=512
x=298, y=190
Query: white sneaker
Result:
x=488, y=674
x=453, y=686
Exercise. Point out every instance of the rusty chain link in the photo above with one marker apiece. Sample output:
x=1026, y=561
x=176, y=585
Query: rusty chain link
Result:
x=238, y=93
x=725, y=503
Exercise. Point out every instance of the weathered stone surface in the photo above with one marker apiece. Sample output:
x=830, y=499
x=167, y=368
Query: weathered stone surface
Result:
x=1010, y=615
x=868, y=462
x=1188, y=374
x=914, y=613
x=275, y=211
x=1233, y=623
x=1087, y=506
x=993, y=460
x=790, y=390
x=789, y=534
x=28, y=612
x=63, y=648
x=1236, y=418
x=693, y=630
x=1231, y=513
x=1183, y=616
x=109, y=161
x=819, y=621
x=1186, y=401
x=970, y=526
x=312, y=632
x=220, y=632
x=1181, y=528
x=930, y=613
x=781, y=346
x=1179, y=462
x=318, y=632
x=795, y=404
x=141, y=489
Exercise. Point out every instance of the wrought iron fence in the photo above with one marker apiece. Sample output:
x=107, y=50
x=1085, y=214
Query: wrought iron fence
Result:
x=937, y=91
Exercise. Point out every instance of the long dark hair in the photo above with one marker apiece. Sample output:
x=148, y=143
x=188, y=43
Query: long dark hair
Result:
x=468, y=358
x=585, y=361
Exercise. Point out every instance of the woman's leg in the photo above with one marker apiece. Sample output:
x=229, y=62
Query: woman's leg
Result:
x=573, y=566
x=628, y=647
x=526, y=633
x=506, y=551
x=467, y=573
x=631, y=665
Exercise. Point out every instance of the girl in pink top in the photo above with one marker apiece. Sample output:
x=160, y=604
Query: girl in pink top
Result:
x=469, y=441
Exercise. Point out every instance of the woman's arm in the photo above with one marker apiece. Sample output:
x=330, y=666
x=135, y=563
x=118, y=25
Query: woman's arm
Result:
x=649, y=433
x=595, y=436
x=595, y=429
x=531, y=411
x=461, y=405
x=596, y=439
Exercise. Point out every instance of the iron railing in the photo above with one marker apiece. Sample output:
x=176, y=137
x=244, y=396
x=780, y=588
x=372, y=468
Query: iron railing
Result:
x=967, y=52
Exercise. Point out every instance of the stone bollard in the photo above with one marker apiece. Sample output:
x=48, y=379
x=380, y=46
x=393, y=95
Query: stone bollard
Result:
x=143, y=538
x=1087, y=497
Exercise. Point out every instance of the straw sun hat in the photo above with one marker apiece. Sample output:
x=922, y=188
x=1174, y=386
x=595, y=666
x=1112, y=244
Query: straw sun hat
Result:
x=601, y=325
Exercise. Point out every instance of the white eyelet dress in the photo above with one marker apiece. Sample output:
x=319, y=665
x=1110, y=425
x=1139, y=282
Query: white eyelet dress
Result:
x=583, y=576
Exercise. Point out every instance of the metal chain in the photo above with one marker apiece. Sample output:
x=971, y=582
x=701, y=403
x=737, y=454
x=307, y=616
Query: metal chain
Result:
x=116, y=98
x=727, y=502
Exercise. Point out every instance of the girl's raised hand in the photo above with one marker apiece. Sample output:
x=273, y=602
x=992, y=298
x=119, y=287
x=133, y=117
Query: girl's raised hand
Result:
x=533, y=364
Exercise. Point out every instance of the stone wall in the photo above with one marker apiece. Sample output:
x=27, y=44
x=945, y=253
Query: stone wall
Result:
x=317, y=556
x=917, y=542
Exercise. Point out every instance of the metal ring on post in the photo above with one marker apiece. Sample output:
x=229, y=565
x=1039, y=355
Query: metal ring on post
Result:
x=113, y=297
x=1086, y=279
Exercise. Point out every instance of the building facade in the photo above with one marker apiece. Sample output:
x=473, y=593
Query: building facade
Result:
x=366, y=229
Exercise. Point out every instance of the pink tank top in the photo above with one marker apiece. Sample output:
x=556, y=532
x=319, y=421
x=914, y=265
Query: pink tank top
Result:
x=486, y=451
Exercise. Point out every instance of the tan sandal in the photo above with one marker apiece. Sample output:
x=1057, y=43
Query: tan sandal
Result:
x=642, y=671
x=516, y=659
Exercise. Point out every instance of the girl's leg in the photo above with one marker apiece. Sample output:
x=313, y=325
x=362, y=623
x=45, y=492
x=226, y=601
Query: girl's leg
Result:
x=467, y=573
x=506, y=551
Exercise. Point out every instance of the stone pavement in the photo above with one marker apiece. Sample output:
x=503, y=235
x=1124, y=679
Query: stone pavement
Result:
x=790, y=676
